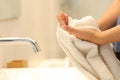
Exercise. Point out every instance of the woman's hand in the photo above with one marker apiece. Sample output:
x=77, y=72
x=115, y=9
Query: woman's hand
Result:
x=62, y=18
x=81, y=33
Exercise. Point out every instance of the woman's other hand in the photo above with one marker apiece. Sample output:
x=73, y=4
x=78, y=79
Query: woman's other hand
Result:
x=62, y=18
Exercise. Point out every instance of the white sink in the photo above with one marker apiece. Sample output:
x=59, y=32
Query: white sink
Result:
x=60, y=73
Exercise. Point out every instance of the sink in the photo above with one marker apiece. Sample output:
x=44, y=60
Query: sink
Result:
x=56, y=73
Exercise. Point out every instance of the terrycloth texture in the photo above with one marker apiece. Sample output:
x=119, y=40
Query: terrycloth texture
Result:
x=95, y=62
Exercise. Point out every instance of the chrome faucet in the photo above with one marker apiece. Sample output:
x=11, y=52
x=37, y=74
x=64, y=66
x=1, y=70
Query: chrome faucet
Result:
x=19, y=39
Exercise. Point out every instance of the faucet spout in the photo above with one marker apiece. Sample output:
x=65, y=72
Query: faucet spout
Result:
x=19, y=39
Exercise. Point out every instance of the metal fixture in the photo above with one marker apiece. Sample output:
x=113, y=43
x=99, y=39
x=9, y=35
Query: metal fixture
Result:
x=19, y=39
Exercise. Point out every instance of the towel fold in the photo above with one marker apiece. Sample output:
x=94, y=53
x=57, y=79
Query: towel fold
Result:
x=95, y=62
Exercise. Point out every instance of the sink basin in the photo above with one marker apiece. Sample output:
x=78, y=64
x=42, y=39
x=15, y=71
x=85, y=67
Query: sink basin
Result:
x=60, y=73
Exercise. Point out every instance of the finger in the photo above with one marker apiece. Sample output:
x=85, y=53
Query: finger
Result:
x=65, y=17
x=61, y=20
x=70, y=29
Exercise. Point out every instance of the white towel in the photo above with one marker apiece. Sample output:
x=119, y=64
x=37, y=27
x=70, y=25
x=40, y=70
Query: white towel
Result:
x=95, y=62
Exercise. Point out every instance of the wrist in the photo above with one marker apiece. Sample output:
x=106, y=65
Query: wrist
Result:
x=97, y=38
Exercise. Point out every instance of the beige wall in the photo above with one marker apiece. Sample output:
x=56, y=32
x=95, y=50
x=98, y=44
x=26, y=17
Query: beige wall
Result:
x=37, y=21
x=81, y=8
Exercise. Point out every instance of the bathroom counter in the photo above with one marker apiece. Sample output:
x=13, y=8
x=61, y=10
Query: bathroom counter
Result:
x=41, y=74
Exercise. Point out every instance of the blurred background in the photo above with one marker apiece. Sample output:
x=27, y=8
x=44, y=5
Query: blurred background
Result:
x=36, y=19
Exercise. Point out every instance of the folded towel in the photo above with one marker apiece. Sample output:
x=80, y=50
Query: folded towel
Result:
x=95, y=62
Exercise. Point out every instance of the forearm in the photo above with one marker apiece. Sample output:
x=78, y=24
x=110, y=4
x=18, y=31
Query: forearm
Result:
x=109, y=18
x=108, y=36
x=94, y=36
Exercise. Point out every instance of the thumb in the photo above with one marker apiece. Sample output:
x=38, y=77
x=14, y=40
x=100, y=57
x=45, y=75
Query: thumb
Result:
x=69, y=29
